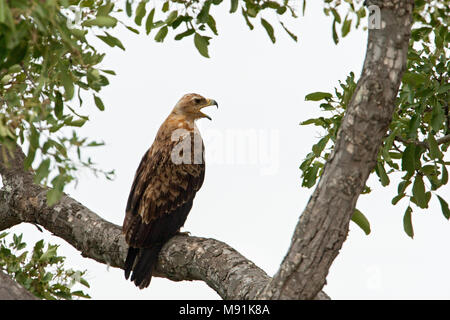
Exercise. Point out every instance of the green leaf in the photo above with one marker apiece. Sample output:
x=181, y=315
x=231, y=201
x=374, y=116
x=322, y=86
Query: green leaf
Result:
x=101, y=21
x=212, y=24
x=335, y=35
x=407, y=222
x=165, y=7
x=171, y=17
x=84, y=282
x=67, y=84
x=408, y=158
x=34, y=138
x=337, y=17
x=319, y=146
x=234, y=6
x=444, y=176
x=112, y=72
x=29, y=158
x=247, y=20
x=42, y=171
x=162, y=33
x=140, y=12
x=435, y=152
x=403, y=185
x=80, y=293
x=99, y=103
x=316, y=96
x=437, y=117
x=414, y=79
x=76, y=123
x=201, y=43
x=381, y=172
x=3, y=6
x=444, y=88
x=58, y=105
x=269, y=29
x=104, y=10
x=132, y=29
x=128, y=8
x=16, y=55
x=397, y=198
x=149, y=21
x=361, y=221
x=346, y=27
x=310, y=175
x=203, y=15
x=444, y=207
x=184, y=34
x=111, y=41
x=50, y=253
x=419, y=192
x=291, y=34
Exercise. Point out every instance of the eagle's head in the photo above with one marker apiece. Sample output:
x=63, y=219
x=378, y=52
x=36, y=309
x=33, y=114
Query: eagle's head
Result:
x=190, y=106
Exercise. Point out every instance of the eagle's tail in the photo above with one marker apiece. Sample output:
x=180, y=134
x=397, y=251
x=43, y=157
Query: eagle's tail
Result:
x=141, y=262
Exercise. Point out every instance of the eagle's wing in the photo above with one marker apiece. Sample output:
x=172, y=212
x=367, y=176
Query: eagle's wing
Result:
x=161, y=197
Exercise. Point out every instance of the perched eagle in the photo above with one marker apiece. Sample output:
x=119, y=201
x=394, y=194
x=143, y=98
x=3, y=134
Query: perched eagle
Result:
x=164, y=187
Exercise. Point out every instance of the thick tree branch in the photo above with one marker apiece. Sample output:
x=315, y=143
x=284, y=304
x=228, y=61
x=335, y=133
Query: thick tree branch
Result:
x=11, y=290
x=323, y=226
x=224, y=269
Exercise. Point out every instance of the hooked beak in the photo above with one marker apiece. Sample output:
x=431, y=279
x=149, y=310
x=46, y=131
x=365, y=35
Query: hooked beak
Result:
x=210, y=102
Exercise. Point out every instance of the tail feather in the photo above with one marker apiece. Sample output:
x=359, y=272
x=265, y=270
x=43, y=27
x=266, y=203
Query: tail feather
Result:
x=140, y=263
x=132, y=253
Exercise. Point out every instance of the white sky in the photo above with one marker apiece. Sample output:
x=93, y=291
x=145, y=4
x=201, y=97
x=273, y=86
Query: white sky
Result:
x=253, y=207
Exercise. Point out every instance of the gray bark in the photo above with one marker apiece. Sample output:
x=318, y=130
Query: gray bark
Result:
x=323, y=226
x=11, y=290
x=224, y=269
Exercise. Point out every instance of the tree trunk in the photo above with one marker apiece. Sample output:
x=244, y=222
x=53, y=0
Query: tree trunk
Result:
x=323, y=226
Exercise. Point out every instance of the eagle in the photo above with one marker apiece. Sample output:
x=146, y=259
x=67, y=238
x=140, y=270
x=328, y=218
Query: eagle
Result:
x=166, y=181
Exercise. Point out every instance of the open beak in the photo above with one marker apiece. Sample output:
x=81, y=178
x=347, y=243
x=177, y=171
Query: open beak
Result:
x=210, y=102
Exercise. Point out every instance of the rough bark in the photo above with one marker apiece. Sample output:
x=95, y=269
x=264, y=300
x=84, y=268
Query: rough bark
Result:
x=224, y=269
x=11, y=290
x=323, y=226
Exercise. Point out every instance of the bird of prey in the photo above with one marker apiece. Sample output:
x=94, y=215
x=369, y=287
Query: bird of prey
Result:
x=164, y=187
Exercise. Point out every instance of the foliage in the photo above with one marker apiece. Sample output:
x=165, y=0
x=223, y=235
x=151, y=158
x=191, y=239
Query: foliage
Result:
x=40, y=271
x=47, y=67
x=197, y=19
x=44, y=64
x=419, y=135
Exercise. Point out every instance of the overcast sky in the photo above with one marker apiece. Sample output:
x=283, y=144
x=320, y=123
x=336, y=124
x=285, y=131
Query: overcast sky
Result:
x=252, y=195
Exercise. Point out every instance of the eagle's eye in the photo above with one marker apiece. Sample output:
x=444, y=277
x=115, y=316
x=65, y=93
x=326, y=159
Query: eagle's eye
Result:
x=197, y=100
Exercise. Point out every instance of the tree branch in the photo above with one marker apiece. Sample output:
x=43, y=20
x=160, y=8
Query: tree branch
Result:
x=323, y=226
x=221, y=267
x=11, y=290
x=424, y=144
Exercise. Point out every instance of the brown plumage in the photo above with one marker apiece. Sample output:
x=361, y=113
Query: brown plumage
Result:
x=164, y=187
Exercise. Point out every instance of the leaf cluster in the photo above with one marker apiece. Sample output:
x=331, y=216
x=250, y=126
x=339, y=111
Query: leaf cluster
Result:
x=46, y=63
x=41, y=270
x=415, y=147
